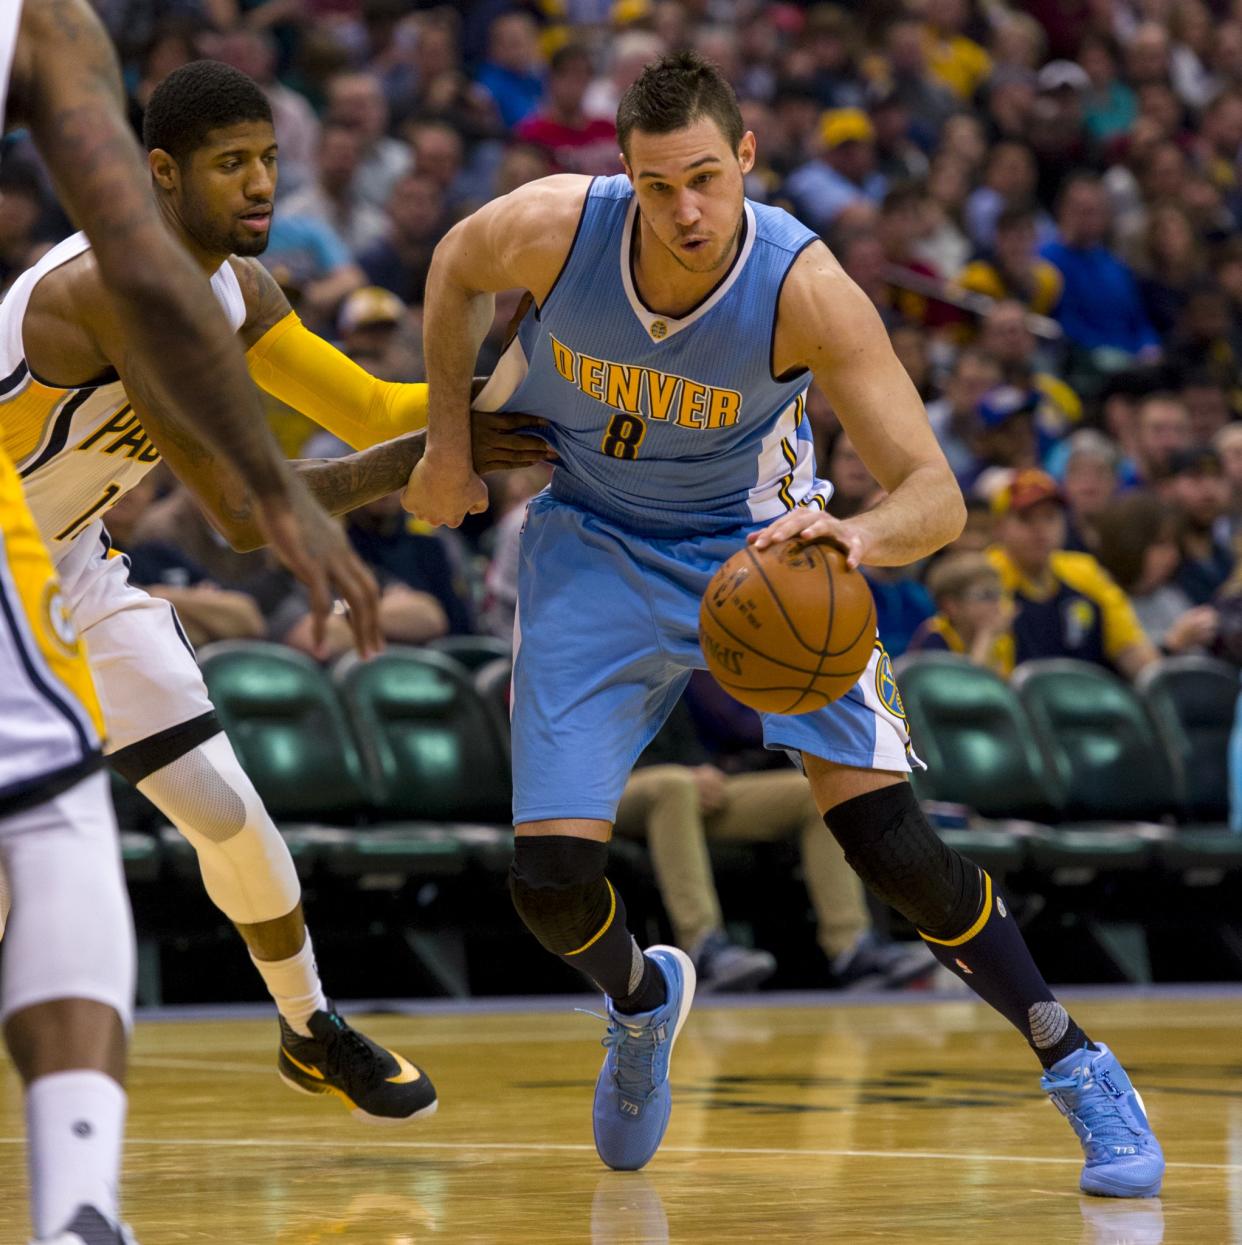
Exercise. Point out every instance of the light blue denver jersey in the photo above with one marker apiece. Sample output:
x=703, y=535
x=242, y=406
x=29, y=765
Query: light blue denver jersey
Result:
x=666, y=427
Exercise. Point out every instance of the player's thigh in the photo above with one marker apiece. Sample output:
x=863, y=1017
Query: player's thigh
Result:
x=770, y=805
x=50, y=721
x=866, y=729
x=591, y=682
x=144, y=666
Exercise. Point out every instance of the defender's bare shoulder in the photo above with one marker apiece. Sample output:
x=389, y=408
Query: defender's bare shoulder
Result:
x=519, y=241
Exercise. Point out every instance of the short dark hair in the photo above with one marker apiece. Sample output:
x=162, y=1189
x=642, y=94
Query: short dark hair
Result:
x=675, y=91
x=196, y=99
x=1015, y=214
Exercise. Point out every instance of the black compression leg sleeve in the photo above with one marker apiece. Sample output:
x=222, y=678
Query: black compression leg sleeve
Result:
x=952, y=903
x=559, y=890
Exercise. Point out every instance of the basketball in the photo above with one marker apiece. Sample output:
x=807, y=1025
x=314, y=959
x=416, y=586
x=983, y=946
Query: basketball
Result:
x=787, y=629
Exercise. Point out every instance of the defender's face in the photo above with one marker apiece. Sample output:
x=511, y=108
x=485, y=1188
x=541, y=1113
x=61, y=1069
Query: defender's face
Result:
x=227, y=188
x=689, y=187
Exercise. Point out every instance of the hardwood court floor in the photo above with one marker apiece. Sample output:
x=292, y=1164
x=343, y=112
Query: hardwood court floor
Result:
x=917, y=1123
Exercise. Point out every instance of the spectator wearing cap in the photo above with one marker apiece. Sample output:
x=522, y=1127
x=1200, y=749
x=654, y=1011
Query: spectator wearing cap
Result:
x=576, y=142
x=1013, y=267
x=972, y=615
x=1138, y=546
x=1100, y=304
x=333, y=196
x=356, y=101
x=371, y=324
x=401, y=259
x=954, y=417
x=1197, y=487
x=1065, y=603
x=511, y=73
x=842, y=174
x=953, y=58
x=1005, y=434
x=1056, y=132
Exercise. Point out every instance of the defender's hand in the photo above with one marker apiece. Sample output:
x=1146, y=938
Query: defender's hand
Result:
x=501, y=441
x=814, y=525
x=314, y=548
x=441, y=496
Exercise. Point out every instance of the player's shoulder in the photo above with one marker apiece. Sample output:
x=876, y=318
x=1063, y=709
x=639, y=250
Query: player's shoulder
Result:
x=67, y=280
x=548, y=201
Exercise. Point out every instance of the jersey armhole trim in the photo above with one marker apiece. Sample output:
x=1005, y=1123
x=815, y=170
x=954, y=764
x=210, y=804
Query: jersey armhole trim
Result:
x=568, y=254
x=776, y=312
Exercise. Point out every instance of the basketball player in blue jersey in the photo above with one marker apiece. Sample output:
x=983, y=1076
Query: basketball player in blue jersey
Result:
x=674, y=331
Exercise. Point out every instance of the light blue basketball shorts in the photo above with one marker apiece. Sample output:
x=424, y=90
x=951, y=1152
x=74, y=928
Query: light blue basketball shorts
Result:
x=606, y=638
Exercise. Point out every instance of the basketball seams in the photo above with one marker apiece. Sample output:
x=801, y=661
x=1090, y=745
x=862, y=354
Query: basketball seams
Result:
x=750, y=648
x=780, y=605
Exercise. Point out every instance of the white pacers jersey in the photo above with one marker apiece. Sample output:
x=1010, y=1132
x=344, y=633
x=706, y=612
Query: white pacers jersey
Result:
x=76, y=450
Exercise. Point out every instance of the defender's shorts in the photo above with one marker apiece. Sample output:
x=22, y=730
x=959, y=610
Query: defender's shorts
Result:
x=606, y=638
x=50, y=720
x=144, y=667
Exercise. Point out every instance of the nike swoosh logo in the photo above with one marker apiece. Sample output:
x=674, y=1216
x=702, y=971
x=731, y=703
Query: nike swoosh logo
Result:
x=407, y=1072
x=301, y=1066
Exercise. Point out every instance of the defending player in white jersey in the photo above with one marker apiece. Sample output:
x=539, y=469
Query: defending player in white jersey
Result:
x=66, y=996
x=77, y=433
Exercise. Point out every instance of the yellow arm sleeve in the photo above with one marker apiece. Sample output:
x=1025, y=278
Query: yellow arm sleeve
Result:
x=312, y=376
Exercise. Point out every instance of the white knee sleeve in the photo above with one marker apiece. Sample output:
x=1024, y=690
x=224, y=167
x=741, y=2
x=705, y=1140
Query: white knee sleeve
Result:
x=70, y=934
x=246, y=865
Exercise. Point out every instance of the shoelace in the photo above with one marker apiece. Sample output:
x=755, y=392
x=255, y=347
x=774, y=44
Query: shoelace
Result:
x=348, y=1056
x=635, y=1060
x=1098, y=1112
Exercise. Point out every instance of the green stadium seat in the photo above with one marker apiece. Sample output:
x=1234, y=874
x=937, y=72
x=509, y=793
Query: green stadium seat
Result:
x=290, y=733
x=1192, y=701
x=472, y=651
x=431, y=747
x=971, y=730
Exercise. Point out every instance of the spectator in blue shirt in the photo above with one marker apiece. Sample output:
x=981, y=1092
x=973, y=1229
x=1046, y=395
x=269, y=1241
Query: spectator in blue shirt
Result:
x=309, y=260
x=510, y=74
x=1100, y=305
x=843, y=174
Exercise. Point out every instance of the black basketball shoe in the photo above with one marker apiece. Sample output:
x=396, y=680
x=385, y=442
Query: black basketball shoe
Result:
x=377, y=1085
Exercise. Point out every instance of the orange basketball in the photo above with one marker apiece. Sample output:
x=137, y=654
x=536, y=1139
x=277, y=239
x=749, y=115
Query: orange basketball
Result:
x=787, y=629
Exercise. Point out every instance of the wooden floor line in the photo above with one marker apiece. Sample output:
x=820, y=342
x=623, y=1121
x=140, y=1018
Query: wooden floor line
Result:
x=537, y=1147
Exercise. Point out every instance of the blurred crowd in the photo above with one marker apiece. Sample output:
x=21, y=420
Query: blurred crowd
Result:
x=1042, y=200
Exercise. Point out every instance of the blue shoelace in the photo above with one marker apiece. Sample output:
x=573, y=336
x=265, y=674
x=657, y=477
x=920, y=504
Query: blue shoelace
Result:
x=635, y=1060
x=1099, y=1114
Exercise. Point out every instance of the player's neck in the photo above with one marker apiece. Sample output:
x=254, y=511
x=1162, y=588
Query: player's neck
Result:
x=208, y=261
x=667, y=287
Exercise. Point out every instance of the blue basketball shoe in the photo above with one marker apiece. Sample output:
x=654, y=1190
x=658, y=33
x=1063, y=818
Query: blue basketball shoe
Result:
x=632, y=1096
x=1091, y=1089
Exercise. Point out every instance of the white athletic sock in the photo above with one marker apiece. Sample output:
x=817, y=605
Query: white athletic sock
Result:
x=294, y=985
x=75, y=1122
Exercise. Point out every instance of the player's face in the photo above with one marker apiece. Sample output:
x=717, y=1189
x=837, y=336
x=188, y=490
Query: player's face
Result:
x=689, y=186
x=227, y=189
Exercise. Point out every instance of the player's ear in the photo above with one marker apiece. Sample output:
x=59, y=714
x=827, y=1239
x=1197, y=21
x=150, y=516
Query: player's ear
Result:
x=164, y=170
x=746, y=152
x=625, y=164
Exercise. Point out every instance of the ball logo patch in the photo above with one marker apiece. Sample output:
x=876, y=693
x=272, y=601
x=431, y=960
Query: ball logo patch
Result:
x=659, y=330
x=57, y=620
x=886, y=685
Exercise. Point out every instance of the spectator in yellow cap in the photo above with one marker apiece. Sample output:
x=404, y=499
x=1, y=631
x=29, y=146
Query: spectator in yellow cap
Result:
x=1065, y=604
x=842, y=174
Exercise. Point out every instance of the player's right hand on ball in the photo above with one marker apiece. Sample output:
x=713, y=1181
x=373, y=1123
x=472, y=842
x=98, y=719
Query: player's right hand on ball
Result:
x=443, y=496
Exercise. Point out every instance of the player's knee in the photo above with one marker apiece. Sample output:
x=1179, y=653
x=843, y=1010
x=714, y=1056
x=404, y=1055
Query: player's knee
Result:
x=902, y=861
x=245, y=863
x=559, y=890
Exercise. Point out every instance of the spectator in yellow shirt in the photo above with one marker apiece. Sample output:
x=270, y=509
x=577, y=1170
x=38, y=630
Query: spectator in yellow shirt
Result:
x=1065, y=604
x=955, y=60
x=1014, y=270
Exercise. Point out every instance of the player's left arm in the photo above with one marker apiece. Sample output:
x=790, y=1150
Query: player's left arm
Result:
x=826, y=324
x=312, y=376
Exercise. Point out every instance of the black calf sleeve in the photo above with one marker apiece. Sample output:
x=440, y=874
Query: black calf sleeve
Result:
x=559, y=890
x=903, y=862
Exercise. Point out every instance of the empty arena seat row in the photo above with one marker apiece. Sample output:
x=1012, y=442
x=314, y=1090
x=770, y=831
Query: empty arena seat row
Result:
x=1096, y=774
